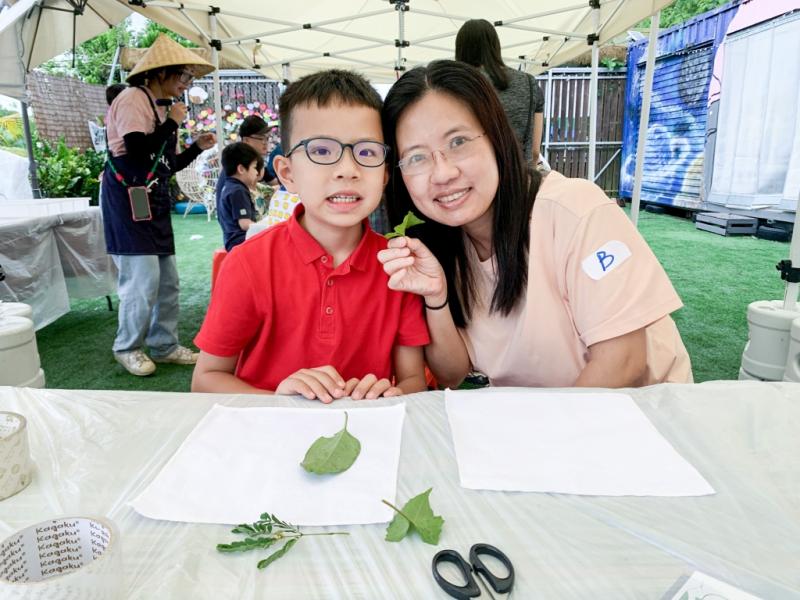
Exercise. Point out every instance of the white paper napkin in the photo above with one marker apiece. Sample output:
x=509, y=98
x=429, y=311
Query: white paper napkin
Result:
x=240, y=462
x=593, y=443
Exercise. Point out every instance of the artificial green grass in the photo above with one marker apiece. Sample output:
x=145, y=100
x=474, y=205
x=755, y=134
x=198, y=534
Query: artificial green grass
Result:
x=717, y=277
x=76, y=350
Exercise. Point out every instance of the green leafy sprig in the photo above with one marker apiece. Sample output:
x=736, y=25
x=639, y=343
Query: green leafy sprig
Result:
x=409, y=221
x=417, y=514
x=266, y=532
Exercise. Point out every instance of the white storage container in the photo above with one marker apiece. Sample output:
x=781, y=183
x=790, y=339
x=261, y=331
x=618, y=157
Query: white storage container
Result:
x=764, y=356
x=19, y=357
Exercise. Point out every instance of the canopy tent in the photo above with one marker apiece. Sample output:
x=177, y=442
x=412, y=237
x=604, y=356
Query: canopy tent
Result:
x=34, y=31
x=380, y=38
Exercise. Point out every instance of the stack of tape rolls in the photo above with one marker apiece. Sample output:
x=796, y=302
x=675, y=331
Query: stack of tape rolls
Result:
x=15, y=458
x=71, y=558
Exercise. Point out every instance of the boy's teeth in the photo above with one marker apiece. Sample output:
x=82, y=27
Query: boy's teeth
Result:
x=343, y=198
x=451, y=197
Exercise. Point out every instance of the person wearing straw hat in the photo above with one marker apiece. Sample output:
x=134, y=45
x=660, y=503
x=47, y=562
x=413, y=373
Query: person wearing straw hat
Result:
x=142, y=128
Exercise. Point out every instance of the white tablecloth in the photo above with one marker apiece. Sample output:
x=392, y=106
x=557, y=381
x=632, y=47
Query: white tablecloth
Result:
x=95, y=450
x=48, y=260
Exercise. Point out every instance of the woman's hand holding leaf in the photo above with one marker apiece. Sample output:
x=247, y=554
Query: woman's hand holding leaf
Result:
x=413, y=268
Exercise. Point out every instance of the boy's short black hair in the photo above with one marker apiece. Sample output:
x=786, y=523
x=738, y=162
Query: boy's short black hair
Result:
x=322, y=89
x=242, y=154
x=114, y=90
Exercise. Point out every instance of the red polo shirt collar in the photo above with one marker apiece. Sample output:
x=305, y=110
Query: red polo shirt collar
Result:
x=310, y=249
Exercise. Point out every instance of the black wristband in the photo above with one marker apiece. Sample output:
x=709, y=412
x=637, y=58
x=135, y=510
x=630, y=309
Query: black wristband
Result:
x=440, y=307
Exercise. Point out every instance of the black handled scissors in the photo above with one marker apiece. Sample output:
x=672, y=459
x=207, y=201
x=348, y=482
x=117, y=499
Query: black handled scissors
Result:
x=501, y=585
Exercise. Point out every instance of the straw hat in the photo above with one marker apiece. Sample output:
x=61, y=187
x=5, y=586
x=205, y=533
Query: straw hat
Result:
x=166, y=52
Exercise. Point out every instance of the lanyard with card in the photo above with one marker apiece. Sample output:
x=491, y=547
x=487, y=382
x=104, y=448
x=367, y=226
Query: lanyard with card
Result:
x=139, y=195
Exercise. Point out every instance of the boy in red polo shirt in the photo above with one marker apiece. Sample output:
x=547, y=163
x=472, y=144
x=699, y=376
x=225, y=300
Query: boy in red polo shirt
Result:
x=303, y=307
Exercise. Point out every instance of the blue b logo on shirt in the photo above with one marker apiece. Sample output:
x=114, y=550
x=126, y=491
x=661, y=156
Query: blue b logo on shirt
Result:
x=605, y=259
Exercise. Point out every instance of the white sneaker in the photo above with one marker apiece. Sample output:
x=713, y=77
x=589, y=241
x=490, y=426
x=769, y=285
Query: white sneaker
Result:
x=135, y=362
x=180, y=356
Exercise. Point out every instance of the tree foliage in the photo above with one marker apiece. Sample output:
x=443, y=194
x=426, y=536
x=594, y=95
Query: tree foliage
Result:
x=148, y=35
x=683, y=10
x=93, y=57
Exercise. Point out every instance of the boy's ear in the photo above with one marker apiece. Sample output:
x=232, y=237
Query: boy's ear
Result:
x=282, y=166
x=241, y=170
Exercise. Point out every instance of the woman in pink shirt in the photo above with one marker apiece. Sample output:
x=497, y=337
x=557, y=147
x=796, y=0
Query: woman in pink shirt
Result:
x=533, y=280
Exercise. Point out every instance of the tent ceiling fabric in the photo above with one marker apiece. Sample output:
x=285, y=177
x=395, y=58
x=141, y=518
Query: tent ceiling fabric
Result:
x=361, y=34
x=34, y=31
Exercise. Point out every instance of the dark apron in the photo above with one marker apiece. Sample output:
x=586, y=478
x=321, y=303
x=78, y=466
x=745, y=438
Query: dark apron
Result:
x=123, y=234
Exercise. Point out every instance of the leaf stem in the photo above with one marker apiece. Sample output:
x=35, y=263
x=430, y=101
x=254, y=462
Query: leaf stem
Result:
x=397, y=510
x=328, y=533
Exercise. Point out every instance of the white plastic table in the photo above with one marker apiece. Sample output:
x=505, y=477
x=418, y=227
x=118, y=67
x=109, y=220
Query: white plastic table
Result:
x=49, y=259
x=96, y=450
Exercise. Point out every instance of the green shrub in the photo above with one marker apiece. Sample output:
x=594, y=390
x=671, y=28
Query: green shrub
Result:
x=65, y=172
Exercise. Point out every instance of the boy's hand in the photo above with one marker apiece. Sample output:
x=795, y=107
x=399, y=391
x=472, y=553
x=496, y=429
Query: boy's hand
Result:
x=413, y=268
x=370, y=387
x=323, y=383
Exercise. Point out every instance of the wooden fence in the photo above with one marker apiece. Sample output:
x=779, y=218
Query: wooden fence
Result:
x=565, y=141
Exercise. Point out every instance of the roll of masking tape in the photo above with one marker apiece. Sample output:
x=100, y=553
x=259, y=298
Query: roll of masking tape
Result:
x=15, y=458
x=63, y=559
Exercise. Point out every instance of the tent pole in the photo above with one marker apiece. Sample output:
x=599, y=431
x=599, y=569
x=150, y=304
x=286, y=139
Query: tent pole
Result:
x=793, y=289
x=114, y=65
x=216, y=47
x=644, y=118
x=26, y=126
x=594, y=40
x=401, y=6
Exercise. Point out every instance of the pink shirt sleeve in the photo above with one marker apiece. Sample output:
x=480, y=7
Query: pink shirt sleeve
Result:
x=613, y=282
x=131, y=111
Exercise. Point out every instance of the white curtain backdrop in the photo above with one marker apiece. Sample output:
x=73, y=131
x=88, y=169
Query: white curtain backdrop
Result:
x=757, y=158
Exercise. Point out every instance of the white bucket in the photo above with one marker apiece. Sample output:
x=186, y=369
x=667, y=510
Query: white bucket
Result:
x=19, y=358
x=764, y=356
x=745, y=376
x=792, y=371
x=15, y=309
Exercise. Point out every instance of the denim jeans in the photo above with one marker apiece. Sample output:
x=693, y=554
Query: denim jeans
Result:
x=148, y=303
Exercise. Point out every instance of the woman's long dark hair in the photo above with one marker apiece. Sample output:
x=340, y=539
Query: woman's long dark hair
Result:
x=512, y=203
x=477, y=44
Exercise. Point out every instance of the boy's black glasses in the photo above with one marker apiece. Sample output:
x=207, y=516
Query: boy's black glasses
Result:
x=328, y=151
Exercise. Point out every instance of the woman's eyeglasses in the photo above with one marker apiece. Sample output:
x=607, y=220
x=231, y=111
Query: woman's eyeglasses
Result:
x=186, y=77
x=328, y=151
x=458, y=148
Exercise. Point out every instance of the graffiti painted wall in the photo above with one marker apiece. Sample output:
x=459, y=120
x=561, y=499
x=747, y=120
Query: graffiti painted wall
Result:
x=674, y=152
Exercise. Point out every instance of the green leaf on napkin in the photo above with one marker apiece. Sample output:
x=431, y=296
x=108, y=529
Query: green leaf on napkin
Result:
x=409, y=221
x=417, y=515
x=332, y=454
